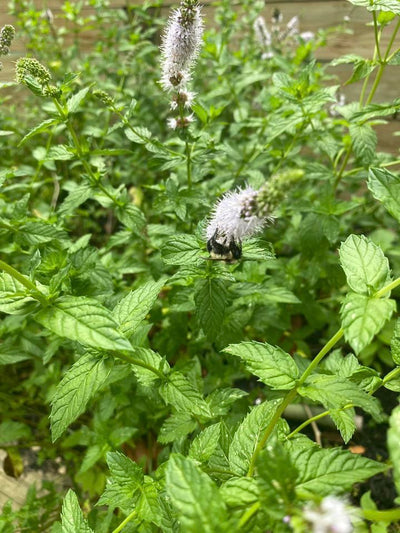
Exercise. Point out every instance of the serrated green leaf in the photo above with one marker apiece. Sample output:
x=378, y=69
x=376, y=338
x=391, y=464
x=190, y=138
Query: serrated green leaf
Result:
x=379, y=5
x=73, y=393
x=131, y=217
x=75, y=100
x=330, y=471
x=181, y=250
x=344, y=421
x=395, y=343
x=364, y=142
x=365, y=266
x=335, y=392
x=270, y=363
x=195, y=496
x=39, y=232
x=133, y=308
x=178, y=425
x=75, y=198
x=248, y=434
x=393, y=442
x=124, y=471
x=220, y=400
x=139, y=135
x=180, y=393
x=43, y=126
x=204, y=445
x=13, y=298
x=240, y=492
x=60, y=153
x=148, y=507
x=84, y=320
x=211, y=298
x=385, y=187
x=150, y=360
x=364, y=317
x=13, y=431
x=72, y=519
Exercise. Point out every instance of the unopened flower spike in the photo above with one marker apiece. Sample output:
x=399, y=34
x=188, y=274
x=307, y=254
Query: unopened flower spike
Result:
x=7, y=34
x=235, y=217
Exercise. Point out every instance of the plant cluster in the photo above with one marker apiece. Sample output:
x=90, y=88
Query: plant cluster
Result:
x=172, y=289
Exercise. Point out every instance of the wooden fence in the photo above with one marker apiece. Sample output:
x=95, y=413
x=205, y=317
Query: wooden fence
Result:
x=313, y=15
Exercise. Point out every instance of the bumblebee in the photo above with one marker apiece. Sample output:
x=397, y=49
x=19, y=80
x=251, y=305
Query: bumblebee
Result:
x=223, y=252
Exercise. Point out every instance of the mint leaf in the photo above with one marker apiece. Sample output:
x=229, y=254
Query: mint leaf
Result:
x=13, y=297
x=75, y=100
x=77, y=387
x=395, y=343
x=84, y=320
x=248, y=434
x=344, y=421
x=241, y=491
x=204, y=445
x=363, y=317
x=335, y=392
x=329, y=471
x=270, y=363
x=181, y=250
x=133, y=308
x=364, y=142
x=385, y=187
x=180, y=393
x=148, y=358
x=211, y=299
x=72, y=520
x=379, y=5
x=365, y=266
x=195, y=496
x=393, y=440
x=178, y=425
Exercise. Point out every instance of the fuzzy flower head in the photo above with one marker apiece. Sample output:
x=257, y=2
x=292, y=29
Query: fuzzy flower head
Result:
x=181, y=44
x=262, y=33
x=331, y=516
x=235, y=217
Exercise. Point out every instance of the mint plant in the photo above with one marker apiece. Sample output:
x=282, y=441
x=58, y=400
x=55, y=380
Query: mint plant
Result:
x=179, y=269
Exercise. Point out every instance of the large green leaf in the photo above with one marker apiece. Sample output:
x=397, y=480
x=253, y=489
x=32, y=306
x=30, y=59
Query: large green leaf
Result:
x=13, y=297
x=72, y=394
x=180, y=393
x=335, y=392
x=195, y=496
x=211, y=299
x=393, y=440
x=133, y=308
x=204, y=445
x=365, y=266
x=271, y=364
x=72, y=519
x=379, y=5
x=240, y=491
x=364, y=142
x=248, y=434
x=146, y=361
x=385, y=187
x=329, y=471
x=395, y=343
x=84, y=320
x=364, y=317
x=181, y=250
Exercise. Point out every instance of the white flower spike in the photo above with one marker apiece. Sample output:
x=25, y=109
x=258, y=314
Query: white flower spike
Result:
x=235, y=217
x=331, y=516
x=180, y=46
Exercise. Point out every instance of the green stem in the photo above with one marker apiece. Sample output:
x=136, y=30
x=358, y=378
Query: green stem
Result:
x=393, y=37
x=389, y=515
x=376, y=35
x=137, y=362
x=317, y=359
x=342, y=168
x=39, y=296
x=249, y=513
x=188, y=151
x=126, y=521
x=388, y=288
